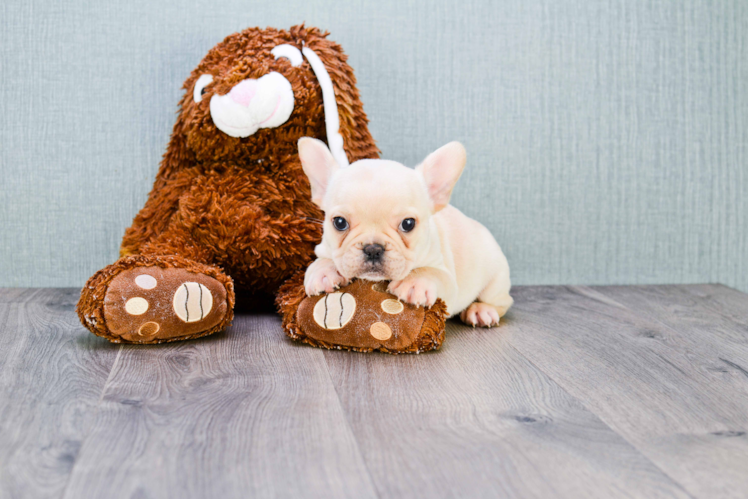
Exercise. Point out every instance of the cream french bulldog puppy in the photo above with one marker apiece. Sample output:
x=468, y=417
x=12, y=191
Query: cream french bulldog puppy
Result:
x=385, y=221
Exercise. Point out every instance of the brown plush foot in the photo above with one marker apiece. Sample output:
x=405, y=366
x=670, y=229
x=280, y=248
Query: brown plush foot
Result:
x=361, y=316
x=171, y=299
x=149, y=303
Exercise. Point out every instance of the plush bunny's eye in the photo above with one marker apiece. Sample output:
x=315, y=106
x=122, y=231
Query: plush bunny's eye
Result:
x=289, y=52
x=200, y=84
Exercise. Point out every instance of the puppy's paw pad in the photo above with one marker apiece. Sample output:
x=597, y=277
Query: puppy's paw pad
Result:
x=480, y=314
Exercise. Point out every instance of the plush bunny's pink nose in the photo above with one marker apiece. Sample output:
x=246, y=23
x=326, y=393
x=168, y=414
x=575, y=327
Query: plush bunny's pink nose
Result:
x=243, y=92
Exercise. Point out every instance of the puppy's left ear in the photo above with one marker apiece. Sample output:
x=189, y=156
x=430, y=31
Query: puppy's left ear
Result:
x=318, y=164
x=441, y=170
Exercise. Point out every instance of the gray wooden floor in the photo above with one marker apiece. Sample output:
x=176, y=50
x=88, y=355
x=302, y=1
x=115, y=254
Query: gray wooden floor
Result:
x=582, y=392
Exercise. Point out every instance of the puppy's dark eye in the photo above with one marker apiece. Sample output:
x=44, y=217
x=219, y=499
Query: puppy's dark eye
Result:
x=203, y=91
x=340, y=223
x=407, y=225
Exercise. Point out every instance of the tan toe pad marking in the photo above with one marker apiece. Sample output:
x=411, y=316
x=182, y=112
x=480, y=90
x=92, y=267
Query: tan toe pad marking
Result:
x=335, y=310
x=192, y=302
x=392, y=306
x=136, y=306
x=380, y=331
x=149, y=329
x=146, y=282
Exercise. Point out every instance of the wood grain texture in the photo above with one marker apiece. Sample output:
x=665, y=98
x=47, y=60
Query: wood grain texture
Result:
x=708, y=324
x=477, y=419
x=245, y=413
x=649, y=382
x=52, y=372
x=581, y=392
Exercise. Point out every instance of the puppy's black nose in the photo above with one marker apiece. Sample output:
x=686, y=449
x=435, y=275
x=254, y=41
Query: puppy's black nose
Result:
x=374, y=252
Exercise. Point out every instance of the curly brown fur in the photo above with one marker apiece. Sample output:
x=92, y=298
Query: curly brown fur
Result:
x=198, y=150
x=433, y=329
x=241, y=204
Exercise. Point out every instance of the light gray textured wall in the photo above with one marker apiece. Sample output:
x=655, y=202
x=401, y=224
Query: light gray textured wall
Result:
x=606, y=140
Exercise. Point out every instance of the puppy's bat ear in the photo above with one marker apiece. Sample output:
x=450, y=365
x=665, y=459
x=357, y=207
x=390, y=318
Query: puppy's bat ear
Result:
x=318, y=164
x=441, y=170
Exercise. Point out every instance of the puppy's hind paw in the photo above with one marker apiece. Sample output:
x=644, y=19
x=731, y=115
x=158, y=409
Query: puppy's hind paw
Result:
x=480, y=314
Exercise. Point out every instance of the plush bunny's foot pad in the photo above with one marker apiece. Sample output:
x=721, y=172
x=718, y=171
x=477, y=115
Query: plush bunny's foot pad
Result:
x=146, y=300
x=361, y=316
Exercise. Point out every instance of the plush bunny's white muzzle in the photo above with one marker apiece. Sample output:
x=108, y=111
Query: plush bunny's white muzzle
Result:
x=269, y=101
x=253, y=104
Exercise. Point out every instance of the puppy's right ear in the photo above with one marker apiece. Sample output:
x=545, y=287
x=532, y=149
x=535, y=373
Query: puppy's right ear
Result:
x=318, y=164
x=440, y=170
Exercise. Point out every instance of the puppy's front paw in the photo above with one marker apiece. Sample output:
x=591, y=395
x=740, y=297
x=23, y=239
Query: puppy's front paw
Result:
x=322, y=277
x=417, y=290
x=480, y=314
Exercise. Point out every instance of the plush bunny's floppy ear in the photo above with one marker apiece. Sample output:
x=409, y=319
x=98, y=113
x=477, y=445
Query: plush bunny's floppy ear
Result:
x=332, y=118
x=353, y=123
x=441, y=170
x=318, y=164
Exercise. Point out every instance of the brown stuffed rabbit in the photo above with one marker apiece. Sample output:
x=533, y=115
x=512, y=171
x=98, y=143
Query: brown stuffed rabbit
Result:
x=231, y=206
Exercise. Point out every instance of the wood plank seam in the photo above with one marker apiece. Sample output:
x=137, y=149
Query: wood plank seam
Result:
x=612, y=429
x=96, y=413
x=647, y=316
x=351, y=430
x=736, y=366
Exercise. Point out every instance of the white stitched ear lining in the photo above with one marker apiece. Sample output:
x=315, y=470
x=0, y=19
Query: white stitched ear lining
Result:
x=289, y=52
x=332, y=121
x=200, y=84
